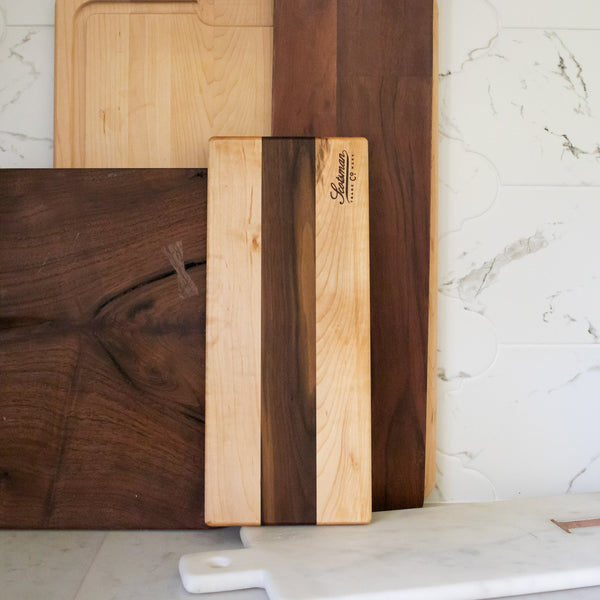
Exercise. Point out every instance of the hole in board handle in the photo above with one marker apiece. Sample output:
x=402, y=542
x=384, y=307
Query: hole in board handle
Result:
x=218, y=562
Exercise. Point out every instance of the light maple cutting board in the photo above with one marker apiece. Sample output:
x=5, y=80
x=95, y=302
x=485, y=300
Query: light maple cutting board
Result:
x=147, y=83
x=288, y=387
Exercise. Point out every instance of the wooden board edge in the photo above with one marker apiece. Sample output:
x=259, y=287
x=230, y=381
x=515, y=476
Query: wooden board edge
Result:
x=64, y=151
x=63, y=40
x=431, y=414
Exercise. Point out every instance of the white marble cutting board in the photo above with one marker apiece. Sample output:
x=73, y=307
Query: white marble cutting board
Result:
x=454, y=552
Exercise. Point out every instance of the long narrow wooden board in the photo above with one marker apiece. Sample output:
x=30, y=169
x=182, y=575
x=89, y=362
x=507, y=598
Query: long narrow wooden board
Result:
x=288, y=357
x=357, y=68
x=102, y=279
x=233, y=338
x=146, y=83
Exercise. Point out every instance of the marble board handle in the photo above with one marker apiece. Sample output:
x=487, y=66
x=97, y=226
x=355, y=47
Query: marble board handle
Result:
x=207, y=572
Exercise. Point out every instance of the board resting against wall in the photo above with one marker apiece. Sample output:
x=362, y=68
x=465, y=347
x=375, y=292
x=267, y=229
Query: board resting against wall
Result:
x=146, y=83
x=288, y=429
x=102, y=279
x=357, y=68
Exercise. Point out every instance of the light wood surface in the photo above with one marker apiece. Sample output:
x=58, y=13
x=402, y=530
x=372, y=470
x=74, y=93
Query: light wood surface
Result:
x=233, y=333
x=431, y=419
x=312, y=242
x=147, y=83
x=343, y=332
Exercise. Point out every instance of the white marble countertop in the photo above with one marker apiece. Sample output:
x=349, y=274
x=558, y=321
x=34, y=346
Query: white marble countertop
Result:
x=118, y=565
x=115, y=565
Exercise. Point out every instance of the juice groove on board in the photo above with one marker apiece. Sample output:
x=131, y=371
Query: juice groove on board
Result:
x=124, y=96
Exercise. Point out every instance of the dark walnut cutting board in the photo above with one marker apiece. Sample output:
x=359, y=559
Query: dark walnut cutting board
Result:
x=102, y=303
x=288, y=428
x=356, y=68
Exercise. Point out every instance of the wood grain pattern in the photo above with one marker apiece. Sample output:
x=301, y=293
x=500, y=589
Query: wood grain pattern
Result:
x=233, y=334
x=311, y=370
x=101, y=345
x=124, y=93
x=383, y=81
x=342, y=331
x=289, y=492
x=305, y=51
x=431, y=419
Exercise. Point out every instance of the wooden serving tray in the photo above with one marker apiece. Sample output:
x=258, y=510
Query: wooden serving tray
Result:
x=147, y=83
x=288, y=385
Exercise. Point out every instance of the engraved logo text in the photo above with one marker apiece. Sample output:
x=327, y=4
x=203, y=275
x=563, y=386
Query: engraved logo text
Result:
x=342, y=188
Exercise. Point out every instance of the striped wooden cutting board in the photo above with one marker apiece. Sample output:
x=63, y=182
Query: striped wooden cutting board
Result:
x=288, y=427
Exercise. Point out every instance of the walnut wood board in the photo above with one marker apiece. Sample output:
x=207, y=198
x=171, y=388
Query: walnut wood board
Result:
x=368, y=69
x=147, y=83
x=287, y=338
x=102, y=279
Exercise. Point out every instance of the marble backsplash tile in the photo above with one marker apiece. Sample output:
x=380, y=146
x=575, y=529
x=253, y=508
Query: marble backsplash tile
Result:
x=468, y=185
x=548, y=14
x=529, y=103
x=26, y=96
x=527, y=265
x=28, y=12
x=527, y=426
x=518, y=280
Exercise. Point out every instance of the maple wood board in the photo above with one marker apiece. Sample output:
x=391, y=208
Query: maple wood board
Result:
x=102, y=276
x=147, y=83
x=356, y=68
x=287, y=344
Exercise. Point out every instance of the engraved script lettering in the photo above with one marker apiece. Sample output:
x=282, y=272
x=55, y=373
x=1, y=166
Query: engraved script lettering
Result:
x=339, y=187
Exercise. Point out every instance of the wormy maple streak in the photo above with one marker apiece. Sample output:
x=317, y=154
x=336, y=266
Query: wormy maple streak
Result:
x=288, y=424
